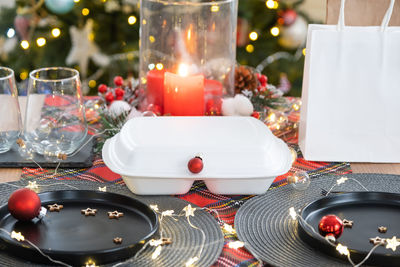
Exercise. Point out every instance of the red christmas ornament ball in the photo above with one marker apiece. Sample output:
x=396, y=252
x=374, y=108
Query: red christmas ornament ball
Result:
x=330, y=225
x=195, y=165
x=102, y=88
x=287, y=17
x=109, y=97
x=118, y=80
x=119, y=92
x=24, y=204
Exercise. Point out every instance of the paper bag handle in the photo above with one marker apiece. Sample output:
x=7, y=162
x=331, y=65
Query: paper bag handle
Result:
x=385, y=20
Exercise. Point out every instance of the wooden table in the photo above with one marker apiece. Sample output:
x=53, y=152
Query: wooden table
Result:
x=8, y=174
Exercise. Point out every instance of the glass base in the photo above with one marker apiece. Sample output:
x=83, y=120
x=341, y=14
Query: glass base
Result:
x=4, y=150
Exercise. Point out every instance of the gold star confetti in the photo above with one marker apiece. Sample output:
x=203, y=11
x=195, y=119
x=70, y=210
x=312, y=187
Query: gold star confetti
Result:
x=89, y=212
x=342, y=180
x=236, y=244
x=18, y=236
x=189, y=211
x=154, y=207
x=392, y=243
x=115, y=214
x=55, y=207
x=33, y=186
x=377, y=241
x=382, y=229
x=191, y=261
x=103, y=189
x=347, y=223
x=342, y=249
x=118, y=240
x=90, y=263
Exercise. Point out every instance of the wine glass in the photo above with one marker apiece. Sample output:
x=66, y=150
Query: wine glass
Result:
x=10, y=115
x=55, y=119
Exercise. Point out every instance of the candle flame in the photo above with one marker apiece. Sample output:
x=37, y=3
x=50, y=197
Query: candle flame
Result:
x=183, y=70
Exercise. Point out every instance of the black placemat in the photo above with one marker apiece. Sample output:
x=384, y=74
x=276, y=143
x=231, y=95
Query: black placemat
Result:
x=264, y=225
x=186, y=240
x=83, y=159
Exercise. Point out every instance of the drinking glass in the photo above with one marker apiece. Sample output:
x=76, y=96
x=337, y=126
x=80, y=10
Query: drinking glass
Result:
x=10, y=115
x=55, y=115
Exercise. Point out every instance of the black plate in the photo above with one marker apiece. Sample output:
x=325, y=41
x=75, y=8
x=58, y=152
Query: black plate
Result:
x=74, y=238
x=368, y=210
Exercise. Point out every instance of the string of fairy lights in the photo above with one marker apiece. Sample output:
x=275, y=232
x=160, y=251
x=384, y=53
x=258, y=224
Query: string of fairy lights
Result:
x=156, y=245
x=389, y=243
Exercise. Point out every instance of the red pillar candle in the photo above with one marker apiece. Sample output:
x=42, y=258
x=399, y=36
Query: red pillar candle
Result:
x=183, y=94
x=155, y=88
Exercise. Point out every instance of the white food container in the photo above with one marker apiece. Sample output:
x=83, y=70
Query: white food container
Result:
x=240, y=154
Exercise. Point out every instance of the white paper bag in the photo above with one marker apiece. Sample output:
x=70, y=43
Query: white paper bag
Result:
x=351, y=93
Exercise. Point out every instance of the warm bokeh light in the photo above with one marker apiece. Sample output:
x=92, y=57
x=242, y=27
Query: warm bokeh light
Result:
x=159, y=66
x=214, y=8
x=271, y=4
x=132, y=20
x=56, y=32
x=275, y=31
x=10, y=33
x=92, y=83
x=23, y=75
x=85, y=11
x=250, y=48
x=24, y=44
x=41, y=41
x=304, y=51
x=253, y=36
x=152, y=39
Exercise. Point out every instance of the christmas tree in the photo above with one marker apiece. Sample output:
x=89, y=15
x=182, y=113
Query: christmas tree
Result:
x=100, y=38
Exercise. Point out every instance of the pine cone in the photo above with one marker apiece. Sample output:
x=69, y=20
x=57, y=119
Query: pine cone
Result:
x=245, y=78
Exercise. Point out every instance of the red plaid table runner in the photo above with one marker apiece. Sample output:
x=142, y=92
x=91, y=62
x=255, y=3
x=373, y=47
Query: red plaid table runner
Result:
x=226, y=206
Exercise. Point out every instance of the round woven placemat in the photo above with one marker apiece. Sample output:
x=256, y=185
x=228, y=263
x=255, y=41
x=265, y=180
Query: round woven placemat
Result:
x=264, y=225
x=186, y=241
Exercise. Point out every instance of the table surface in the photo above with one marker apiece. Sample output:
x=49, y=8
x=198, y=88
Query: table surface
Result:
x=14, y=174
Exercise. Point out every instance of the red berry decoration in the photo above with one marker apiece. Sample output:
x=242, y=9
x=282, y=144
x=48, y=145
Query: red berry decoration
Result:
x=330, y=225
x=109, y=97
x=256, y=115
x=262, y=79
x=119, y=92
x=213, y=107
x=195, y=165
x=24, y=204
x=102, y=88
x=118, y=80
x=156, y=109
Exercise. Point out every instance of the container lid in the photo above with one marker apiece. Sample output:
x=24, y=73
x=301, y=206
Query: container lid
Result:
x=231, y=147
